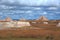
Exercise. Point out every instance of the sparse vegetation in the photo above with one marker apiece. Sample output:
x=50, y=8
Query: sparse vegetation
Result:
x=31, y=34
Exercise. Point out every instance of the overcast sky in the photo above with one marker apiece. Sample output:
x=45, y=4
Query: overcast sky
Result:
x=30, y=9
x=31, y=2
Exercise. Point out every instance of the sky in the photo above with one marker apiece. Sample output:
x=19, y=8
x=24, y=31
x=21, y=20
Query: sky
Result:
x=30, y=9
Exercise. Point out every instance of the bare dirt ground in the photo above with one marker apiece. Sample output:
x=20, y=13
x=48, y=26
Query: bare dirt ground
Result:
x=48, y=34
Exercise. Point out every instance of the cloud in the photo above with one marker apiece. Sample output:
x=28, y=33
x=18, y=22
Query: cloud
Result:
x=28, y=9
x=6, y=7
x=31, y=2
x=38, y=8
x=45, y=13
x=53, y=8
x=57, y=12
x=28, y=12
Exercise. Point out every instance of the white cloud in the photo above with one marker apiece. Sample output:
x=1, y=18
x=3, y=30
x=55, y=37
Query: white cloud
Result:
x=39, y=2
x=51, y=14
x=28, y=11
x=57, y=12
x=37, y=8
x=1, y=13
x=6, y=7
x=53, y=8
x=45, y=13
x=33, y=2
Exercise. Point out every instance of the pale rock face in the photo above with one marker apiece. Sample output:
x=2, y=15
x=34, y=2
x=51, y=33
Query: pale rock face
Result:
x=1, y=24
x=8, y=19
x=9, y=24
x=33, y=22
x=58, y=25
x=42, y=18
x=45, y=22
x=14, y=24
x=21, y=24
